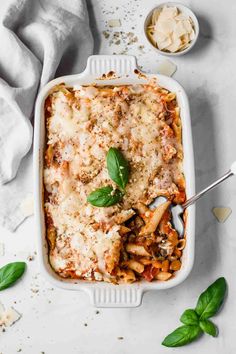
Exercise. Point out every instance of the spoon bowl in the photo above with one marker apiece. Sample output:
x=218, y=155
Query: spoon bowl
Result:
x=177, y=210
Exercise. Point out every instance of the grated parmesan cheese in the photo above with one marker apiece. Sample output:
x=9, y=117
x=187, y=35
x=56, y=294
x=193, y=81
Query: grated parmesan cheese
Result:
x=171, y=30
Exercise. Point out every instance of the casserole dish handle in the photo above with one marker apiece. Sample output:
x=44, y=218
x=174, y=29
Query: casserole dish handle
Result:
x=115, y=297
x=120, y=65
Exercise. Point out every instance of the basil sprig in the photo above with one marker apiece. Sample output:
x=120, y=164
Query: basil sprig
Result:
x=10, y=273
x=118, y=167
x=118, y=170
x=105, y=197
x=197, y=321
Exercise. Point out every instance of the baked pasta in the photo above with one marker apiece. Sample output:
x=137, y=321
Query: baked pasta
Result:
x=127, y=241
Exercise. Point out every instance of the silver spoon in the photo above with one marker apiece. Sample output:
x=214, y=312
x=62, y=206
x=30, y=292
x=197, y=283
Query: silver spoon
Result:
x=177, y=210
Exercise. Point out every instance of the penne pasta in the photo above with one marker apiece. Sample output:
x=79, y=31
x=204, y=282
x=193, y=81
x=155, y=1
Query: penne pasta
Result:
x=138, y=221
x=123, y=216
x=155, y=218
x=157, y=264
x=172, y=258
x=163, y=276
x=181, y=244
x=51, y=236
x=170, y=97
x=177, y=252
x=145, y=261
x=178, y=131
x=127, y=275
x=124, y=230
x=143, y=211
x=175, y=265
x=137, y=250
x=173, y=237
x=134, y=265
x=165, y=265
x=49, y=155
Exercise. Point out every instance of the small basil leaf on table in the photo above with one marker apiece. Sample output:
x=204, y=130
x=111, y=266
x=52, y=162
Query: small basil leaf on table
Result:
x=208, y=327
x=10, y=273
x=211, y=299
x=190, y=317
x=118, y=167
x=105, y=197
x=182, y=335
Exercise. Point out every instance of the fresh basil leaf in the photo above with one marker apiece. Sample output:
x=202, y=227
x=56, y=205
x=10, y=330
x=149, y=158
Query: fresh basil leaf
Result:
x=189, y=317
x=118, y=167
x=211, y=299
x=208, y=327
x=182, y=335
x=10, y=273
x=105, y=197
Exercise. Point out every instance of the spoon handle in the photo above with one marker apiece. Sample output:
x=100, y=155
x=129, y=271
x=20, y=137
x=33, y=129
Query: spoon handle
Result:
x=211, y=186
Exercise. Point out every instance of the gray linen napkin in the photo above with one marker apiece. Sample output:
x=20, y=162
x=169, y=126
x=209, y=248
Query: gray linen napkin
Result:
x=40, y=39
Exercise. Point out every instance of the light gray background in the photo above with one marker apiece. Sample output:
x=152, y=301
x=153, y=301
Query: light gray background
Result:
x=53, y=319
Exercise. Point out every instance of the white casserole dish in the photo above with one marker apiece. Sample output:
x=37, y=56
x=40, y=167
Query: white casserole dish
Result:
x=124, y=67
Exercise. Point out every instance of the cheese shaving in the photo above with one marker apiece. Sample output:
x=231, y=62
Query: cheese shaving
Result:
x=221, y=213
x=114, y=23
x=27, y=205
x=8, y=317
x=170, y=29
x=166, y=67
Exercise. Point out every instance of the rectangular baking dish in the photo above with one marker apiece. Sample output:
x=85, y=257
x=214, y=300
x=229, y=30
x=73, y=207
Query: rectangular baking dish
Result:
x=124, y=72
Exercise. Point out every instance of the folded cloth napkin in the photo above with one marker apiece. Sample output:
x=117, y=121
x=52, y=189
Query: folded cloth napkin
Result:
x=40, y=39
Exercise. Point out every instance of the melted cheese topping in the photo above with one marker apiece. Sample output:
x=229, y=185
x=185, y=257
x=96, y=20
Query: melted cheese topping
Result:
x=82, y=124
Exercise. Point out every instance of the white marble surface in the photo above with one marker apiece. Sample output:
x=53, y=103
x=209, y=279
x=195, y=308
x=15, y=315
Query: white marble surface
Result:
x=53, y=319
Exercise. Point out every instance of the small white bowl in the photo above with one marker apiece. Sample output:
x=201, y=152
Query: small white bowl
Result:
x=185, y=10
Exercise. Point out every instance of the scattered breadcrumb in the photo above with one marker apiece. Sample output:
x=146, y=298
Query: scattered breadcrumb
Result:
x=35, y=291
x=120, y=338
x=121, y=37
x=106, y=34
x=141, y=47
x=30, y=258
x=97, y=312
